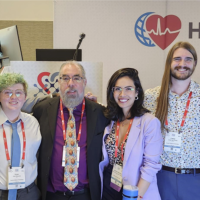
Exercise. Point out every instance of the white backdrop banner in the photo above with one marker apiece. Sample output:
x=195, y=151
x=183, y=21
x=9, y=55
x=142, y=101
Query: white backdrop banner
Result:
x=42, y=77
x=122, y=33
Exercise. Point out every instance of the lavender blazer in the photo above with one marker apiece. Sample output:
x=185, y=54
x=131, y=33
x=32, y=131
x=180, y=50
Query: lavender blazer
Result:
x=142, y=153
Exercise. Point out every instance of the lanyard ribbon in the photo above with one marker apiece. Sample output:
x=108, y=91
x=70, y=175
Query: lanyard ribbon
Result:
x=6, y=144
x=185, y=113
x=63, y=121
x=117, y=139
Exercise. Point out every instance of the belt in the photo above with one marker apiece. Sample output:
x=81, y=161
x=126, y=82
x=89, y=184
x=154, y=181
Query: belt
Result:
x=74, y=193
x=26, y=188
x=182, y=170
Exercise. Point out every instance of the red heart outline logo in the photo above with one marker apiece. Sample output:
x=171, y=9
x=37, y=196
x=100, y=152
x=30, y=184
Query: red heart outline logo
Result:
x=163, y=31
x=39, y=79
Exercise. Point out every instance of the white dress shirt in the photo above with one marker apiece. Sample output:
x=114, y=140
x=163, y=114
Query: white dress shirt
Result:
x=189, y=155
x=33, y=140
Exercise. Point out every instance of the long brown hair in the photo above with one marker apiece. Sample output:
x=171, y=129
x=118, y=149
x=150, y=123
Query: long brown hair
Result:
x=163, y=101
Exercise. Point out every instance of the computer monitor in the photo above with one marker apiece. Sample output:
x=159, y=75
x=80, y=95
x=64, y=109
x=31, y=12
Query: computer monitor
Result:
x=10, y=44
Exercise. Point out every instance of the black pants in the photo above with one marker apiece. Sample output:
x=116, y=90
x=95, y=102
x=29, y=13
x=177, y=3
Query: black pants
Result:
x=61, y=196
x=108, y=192
x=29, y=193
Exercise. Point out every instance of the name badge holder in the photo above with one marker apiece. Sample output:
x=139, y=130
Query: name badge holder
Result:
x=173, y=139
x=78, y=155
x=16, y=178
x=116, y=176
x=16, y=175
x=173, y=142
x=63, y=156
x=64, y=133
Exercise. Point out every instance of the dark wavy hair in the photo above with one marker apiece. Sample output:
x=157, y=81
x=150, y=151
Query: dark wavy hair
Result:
x=113, y=111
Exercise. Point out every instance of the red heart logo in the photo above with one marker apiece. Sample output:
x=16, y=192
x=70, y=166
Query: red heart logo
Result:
x=163, y=31
x=39, y=79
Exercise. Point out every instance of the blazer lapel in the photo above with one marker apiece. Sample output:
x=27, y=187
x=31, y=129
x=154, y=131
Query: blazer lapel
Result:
x=91, y=119
x=132, y=137
x=52, y=110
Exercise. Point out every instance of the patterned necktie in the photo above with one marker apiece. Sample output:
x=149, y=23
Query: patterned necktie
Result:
x=70, y=172
x=15, y=158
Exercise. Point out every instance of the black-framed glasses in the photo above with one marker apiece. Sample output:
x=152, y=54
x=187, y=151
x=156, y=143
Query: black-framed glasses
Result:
x=75, y=79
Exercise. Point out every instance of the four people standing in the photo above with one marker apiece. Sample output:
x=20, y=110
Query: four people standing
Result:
x=72, y=129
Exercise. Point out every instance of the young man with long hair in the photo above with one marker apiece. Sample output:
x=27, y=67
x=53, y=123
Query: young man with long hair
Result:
x=176, y=103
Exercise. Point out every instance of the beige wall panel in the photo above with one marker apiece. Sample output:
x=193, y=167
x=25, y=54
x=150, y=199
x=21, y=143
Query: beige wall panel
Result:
x=35, y=10
x=33, y=35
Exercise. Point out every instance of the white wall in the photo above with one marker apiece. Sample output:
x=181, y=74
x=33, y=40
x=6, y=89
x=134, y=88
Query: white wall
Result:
x=110, y=37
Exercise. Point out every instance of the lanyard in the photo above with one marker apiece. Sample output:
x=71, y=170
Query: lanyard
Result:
x=117, y=139
x=185, y=113
x=6, y=144
x=63, y=121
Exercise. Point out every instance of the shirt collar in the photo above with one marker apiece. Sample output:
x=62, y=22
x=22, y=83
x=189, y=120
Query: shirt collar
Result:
x=4, y=118
x=192, y=88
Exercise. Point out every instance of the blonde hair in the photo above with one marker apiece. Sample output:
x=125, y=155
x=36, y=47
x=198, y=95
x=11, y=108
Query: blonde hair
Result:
x=9, y=79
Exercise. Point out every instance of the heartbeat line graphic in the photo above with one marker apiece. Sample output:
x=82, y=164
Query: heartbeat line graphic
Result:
x=159, y=32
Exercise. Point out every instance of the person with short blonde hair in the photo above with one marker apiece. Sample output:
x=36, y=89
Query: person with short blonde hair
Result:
x=19, y=141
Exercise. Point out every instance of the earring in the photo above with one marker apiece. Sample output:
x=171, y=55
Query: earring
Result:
x=136, y=98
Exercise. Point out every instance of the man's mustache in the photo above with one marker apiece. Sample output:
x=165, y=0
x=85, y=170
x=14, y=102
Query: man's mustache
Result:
x=70, y=90
x=179, y=67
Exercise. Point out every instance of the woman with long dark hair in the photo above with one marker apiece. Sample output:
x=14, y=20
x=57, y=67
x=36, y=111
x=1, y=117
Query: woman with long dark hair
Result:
x=132, y=143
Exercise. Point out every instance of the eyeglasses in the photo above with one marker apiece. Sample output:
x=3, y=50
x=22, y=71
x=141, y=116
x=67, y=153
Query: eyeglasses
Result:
x=127, y=90
x=9, y=93
x=75, y=79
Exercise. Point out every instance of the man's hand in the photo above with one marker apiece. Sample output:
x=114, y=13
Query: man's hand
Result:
x=91, y=97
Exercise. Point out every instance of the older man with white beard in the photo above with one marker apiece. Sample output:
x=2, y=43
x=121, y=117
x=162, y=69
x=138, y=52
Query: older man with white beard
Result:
x=71, y=93
x=72, y=128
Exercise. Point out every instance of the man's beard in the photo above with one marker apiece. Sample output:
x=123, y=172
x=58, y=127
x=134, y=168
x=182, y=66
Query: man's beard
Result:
x=71, y=100
x=184, y=76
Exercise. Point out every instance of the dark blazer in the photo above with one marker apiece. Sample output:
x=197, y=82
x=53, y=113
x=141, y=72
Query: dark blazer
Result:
x=46, y=114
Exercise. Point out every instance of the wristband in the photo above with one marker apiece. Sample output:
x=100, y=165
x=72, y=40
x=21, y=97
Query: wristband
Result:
x=140, y=197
